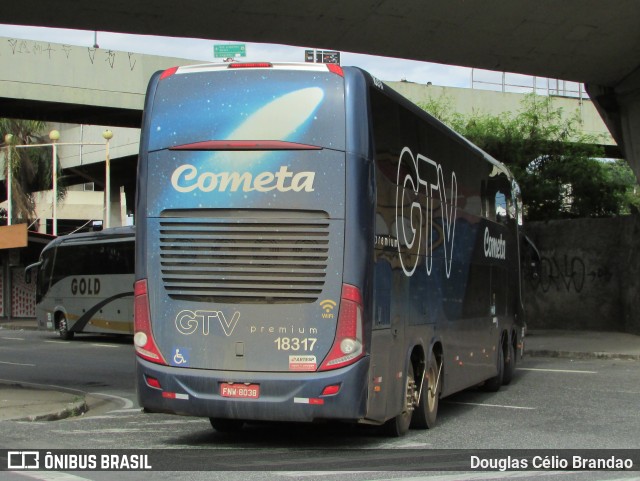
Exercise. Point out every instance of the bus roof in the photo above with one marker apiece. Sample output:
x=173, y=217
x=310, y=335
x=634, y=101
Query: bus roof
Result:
x=101, y=235
x=337, y=69
x=217, y=67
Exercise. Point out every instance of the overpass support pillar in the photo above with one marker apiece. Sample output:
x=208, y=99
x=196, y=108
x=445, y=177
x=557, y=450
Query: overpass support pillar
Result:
x=619, y=107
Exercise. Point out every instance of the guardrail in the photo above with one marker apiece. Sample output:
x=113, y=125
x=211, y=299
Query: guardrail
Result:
x=518, y=83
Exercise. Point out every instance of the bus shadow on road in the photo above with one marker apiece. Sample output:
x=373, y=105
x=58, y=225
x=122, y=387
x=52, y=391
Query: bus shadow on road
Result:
x=334, y=435
x=288, y=435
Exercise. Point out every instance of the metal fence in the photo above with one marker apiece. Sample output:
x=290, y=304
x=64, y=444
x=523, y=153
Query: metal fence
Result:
x=518, y=83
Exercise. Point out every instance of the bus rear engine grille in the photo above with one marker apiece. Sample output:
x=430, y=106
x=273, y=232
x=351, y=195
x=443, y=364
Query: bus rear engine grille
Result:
x=246, y=261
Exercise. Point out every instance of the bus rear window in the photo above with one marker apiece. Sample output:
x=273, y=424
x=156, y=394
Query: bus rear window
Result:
x=249, y=104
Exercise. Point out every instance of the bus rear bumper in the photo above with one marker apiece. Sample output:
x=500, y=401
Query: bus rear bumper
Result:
x=283, y=396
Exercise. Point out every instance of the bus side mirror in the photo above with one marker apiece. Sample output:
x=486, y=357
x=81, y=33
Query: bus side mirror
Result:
x=27, y=271
x=531, y=260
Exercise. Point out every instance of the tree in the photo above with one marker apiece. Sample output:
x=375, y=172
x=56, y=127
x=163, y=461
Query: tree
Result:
x=30, y=168
x=557, y=165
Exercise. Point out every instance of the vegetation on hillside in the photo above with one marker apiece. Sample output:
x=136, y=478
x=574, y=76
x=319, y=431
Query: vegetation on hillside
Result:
x=560, y=169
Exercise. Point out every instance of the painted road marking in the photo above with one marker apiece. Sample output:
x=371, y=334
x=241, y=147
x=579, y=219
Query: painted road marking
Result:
x=17, y=364
x=126, y=411
x=505, y=406
x=485, y=476
x=126, y=403
x=50, y=476
x=570, y=371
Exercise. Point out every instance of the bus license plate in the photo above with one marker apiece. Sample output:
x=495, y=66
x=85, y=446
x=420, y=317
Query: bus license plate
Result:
x=240, y=391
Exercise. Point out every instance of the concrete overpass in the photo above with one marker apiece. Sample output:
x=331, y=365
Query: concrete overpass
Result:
x=87, y=86
x=588, y=41
x=64, y=83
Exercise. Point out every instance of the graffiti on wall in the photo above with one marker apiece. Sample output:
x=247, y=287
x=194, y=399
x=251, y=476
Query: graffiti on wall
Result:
x=566, y=273
x=53, y=50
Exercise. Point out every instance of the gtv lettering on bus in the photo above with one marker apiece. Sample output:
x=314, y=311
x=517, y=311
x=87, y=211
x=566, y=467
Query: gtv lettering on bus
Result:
x=187, y=178
x=188, y=322
x=409, y=214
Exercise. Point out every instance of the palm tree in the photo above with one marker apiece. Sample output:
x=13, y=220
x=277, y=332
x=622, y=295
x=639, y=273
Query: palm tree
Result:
x=30, y=168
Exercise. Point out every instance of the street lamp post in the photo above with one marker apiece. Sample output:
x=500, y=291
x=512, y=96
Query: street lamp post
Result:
x=7, y=140
x=107, y=135
x=54, y=136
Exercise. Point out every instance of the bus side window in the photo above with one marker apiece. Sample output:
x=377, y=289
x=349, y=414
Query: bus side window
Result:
x=500, y=207
x=504, y=210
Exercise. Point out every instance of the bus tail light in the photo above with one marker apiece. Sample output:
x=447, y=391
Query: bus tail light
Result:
x=331, y=390
x=250, y=65
x=152, y=382
x=168, y=73
x=143, y=340
x=348, y=344
x=335, y=68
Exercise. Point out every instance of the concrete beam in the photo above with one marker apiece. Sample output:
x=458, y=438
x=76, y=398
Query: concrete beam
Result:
x=79, y=84
x=583, y=40
x=467, y=101
x=619, y=106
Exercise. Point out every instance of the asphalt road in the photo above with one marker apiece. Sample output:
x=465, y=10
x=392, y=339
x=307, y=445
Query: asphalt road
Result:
x=552, y=404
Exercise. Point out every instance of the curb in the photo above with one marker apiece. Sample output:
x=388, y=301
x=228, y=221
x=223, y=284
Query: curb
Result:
x=10, y=326
x=76, y=408
x=581, y=355
x=58, y=409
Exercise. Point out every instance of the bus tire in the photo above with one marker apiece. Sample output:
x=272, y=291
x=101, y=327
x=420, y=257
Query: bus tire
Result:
x=426, y=412
x=226, y=425
x=399, y=425
x=493, y=384
x=509, y=364
x=63, y=328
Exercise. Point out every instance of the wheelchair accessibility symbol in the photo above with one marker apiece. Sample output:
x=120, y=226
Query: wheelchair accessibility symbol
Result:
x=180, y=356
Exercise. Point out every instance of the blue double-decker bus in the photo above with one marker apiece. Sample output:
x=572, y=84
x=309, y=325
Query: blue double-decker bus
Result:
x=311, y=246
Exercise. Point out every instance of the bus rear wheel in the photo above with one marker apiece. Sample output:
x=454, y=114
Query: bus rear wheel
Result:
x=399, y=425
x=509, y=365
x=63, y=328
x=226, y=425
x=493, y=384
x=427, y=411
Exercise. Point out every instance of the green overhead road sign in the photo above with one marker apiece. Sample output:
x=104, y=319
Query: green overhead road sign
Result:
x=230, y=50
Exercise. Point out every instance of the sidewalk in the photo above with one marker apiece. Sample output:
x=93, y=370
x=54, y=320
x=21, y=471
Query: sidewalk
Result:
x=26, y=402
x=19, y=402
x=582, y=345
x=27, y=324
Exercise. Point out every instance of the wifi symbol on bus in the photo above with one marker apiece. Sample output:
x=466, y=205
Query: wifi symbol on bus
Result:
x=328, y=305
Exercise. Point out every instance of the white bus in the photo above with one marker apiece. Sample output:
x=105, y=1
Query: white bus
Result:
x=84, y=283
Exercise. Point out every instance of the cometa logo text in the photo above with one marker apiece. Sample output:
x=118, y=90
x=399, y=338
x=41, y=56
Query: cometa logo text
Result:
x=187, y=178
x=494, y=247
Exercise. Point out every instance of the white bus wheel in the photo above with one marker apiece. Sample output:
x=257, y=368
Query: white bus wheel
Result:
x=63, y=329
